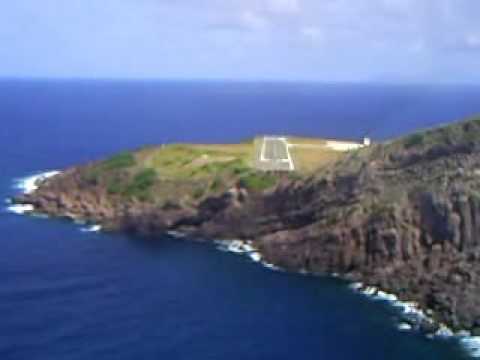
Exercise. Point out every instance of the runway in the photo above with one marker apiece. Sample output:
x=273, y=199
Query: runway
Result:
x=275, y=154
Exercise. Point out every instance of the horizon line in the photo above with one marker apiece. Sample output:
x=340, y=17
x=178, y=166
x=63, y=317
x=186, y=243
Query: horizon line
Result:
x=237, y=80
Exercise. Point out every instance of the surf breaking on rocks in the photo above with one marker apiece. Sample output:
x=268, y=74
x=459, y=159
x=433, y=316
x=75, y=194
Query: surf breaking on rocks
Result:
x=412, y=315
x=28, y=185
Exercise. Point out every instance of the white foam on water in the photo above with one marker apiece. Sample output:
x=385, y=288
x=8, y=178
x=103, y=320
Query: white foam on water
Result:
x=472, y=345
x=444, y=332
x=271, y=266
x=92, y=228
x=39, y=215
x=21, y=209
x=356, y=286
x=29, y=184
x=381, y=295
x=369, y=291
x=235, y=246
x=404, y=327
x=372, y=292
x=245, y=248
x=176, y=234
x=415, y=315
x=410, y=308
x=255, y=256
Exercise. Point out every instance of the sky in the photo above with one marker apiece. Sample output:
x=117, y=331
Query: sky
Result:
x=400, y=41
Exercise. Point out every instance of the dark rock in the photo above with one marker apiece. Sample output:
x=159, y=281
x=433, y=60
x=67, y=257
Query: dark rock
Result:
x=405, y=218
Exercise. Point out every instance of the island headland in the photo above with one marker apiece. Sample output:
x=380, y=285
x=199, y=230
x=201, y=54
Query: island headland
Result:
x=403, y=215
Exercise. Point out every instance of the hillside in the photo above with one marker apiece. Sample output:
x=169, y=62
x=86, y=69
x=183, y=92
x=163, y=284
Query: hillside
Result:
x=403, y=215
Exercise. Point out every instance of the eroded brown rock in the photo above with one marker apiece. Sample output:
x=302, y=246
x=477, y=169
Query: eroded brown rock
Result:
x=408, y=222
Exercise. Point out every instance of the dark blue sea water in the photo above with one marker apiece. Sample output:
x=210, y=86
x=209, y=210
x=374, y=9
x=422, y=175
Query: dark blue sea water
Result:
x=66, y=294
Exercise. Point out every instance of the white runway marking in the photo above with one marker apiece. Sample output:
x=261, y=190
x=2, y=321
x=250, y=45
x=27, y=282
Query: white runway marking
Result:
x=277, y=162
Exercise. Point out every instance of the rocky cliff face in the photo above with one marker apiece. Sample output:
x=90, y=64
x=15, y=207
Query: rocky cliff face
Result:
x=403, y=216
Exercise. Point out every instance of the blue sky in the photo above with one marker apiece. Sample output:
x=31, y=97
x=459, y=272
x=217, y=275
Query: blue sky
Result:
x=315, y=40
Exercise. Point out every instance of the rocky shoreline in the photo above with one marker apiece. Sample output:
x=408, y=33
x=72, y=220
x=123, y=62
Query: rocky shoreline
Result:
x=403, y=217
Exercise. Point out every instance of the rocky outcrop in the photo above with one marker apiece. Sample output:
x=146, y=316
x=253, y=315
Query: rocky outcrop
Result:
x=402, y=218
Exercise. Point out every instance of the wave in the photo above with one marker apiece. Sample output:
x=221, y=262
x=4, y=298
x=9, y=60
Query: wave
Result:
x=412, y=317
x=91, y=228
x=20, y=209
x=472, y=345
x=27, y=185
x=30, y=183
x=246, y=248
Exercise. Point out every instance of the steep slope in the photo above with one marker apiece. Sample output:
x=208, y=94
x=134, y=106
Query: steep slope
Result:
x=404, y=216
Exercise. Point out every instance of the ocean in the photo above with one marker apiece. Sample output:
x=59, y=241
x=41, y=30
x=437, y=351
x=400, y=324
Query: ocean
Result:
x=69, y=293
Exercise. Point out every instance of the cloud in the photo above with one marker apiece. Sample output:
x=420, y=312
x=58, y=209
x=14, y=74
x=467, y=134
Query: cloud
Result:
x=283, y=6
x=472, y=41
x=253, y=21
x=460, y=42
x=312, y=32
x=245, y=21
x=242, y=38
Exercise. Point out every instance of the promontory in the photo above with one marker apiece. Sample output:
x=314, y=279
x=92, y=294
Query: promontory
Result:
x=403, y=215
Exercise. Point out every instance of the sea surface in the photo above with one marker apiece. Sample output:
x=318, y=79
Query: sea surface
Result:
x=70, y=294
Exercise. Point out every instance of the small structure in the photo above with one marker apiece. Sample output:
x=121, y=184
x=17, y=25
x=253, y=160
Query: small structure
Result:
x=343, y=146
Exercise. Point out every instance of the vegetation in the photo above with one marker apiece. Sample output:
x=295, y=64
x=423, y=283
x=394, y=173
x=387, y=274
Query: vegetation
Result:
x=414, y=140
x=197, y=162
x=142, y=181
x=309, y=160
x=216, y=184
x=185, y=173
x=138, y=187
x=257, y=181
x=198, y=193
x=458, y=133
x=120, y=161
x=115, y=187
x=173, y=173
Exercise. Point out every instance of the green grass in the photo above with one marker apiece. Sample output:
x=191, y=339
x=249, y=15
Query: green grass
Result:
x=120, y=161
x=115, y=186
x=414, y=140
x=138, y=187
x=199, y=161
x=216, y=184
x=258, y=181
x=198, y=193
x=455, y=133
x=141, y=183
x=182, y=173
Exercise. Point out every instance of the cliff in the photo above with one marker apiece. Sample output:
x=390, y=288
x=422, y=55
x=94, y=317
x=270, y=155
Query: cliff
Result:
x=403, y=215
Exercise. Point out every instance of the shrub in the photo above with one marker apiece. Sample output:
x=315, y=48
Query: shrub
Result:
x=414, y=140
x=120, y=161
x=198, y=193
x=141, y=184
x=257, y=181
x=145, y=179
x=115, y=187
x=216, y=184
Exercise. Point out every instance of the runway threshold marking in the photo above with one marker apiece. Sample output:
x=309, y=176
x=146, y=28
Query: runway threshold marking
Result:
x=283, y=140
